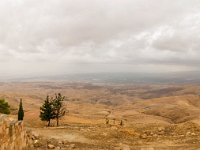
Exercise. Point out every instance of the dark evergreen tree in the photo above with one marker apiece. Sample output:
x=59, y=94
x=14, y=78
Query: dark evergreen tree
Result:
x=4, y=107
x=20, y=111
x=47, y=111
x=58, y=106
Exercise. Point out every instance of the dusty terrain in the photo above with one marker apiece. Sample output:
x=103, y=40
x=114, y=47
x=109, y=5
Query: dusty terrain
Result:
x=153, y=116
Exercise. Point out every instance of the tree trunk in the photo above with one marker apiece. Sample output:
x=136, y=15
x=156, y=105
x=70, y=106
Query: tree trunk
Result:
x=57, y=121
x=49, y=123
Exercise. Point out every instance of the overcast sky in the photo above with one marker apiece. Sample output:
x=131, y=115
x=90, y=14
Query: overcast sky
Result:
x=42, y=37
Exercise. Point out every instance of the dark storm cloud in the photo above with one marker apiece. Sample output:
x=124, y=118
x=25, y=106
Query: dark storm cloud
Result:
x=51, y=35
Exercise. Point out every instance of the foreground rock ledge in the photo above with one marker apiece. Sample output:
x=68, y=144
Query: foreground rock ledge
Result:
x=12, y=134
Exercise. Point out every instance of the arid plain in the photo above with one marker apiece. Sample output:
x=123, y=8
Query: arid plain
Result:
x=141, y=116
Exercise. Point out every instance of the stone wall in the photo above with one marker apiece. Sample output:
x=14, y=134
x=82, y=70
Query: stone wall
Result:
x=12, y=134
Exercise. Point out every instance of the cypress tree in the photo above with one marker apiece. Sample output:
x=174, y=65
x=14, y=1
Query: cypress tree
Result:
x=20, y=111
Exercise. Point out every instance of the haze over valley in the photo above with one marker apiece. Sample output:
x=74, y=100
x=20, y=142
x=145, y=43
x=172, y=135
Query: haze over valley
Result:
x=99, y=75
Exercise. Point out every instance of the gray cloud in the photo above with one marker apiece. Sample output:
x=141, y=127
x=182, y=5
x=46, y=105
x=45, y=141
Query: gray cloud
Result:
x=48, y=36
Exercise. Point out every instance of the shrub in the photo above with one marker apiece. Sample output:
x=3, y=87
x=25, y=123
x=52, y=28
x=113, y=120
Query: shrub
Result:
x=4, y=107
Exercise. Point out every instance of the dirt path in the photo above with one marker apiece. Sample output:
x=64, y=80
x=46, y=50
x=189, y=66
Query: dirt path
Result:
x=61, y=134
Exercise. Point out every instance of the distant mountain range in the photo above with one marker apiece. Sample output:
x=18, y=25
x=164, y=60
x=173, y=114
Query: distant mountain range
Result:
x=121, y=78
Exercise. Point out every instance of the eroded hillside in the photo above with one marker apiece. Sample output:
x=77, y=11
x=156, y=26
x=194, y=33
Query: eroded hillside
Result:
x=153, y=116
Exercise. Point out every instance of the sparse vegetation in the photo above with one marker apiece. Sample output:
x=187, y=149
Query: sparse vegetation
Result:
x=4, y=107
x=135, y=122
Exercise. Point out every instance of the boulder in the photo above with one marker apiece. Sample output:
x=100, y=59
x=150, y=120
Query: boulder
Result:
x=50, y=146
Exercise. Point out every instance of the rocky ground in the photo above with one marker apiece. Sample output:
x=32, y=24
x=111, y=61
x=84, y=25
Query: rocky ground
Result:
x=115, y=137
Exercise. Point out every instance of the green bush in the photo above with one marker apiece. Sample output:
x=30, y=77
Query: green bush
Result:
x=4, y=107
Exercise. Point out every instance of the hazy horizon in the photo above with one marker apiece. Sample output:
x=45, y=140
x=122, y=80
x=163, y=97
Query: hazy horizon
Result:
x=112, y=78
x=51, y=37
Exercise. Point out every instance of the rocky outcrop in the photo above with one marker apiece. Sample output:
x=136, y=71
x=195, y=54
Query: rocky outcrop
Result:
x=12, y=134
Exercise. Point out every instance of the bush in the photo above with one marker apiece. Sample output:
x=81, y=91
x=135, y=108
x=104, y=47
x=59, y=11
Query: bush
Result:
x=4, y=107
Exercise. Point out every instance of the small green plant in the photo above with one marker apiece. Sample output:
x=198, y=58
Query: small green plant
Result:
x=20, y=111
x=4, y=107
